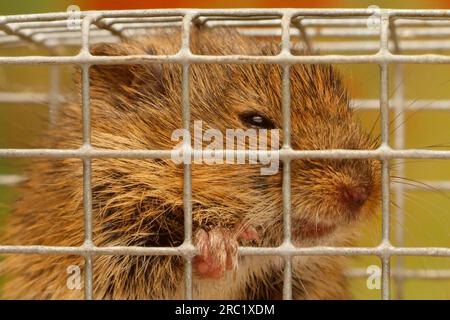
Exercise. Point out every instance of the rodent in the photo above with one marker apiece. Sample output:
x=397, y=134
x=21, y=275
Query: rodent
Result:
x=139, y=201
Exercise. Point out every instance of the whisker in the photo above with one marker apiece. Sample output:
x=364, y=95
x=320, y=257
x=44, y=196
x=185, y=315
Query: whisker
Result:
x=415, y=111
x=405, y=77
x=419, y=202
x=440, y=145
x=416, y=183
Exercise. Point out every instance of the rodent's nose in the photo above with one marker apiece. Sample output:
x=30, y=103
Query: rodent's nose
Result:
x=354, y=195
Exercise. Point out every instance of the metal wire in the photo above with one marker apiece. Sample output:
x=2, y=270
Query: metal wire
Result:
x=286, y=187
x=396, y=41
x=187, y=175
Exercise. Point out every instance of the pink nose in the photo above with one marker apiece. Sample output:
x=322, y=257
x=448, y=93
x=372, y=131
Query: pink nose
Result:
x=354, y=195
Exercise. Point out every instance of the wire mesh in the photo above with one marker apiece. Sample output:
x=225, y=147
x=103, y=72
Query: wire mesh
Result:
x=395, y=41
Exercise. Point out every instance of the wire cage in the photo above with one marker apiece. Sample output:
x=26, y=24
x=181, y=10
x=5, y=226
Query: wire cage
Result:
x=378, y=36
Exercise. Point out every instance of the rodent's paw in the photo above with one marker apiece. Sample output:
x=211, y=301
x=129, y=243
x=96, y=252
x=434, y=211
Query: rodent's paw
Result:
x=247, y=233
x=218, y=250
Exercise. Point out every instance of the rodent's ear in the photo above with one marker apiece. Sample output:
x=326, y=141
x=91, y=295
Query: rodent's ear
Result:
x=124, y=77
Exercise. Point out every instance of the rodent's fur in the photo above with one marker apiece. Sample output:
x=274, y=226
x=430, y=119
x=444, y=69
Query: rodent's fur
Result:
x=139, y=201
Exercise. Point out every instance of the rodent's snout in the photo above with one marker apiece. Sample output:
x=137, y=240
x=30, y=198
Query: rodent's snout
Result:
x=354, y=196
x=334, y=193
x=356, y=187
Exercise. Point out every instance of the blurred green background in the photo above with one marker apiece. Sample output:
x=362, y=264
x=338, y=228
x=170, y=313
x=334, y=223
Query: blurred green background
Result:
x=427, y=212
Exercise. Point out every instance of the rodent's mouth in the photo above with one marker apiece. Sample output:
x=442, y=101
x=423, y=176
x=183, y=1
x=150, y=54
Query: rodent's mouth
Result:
x=306, y=229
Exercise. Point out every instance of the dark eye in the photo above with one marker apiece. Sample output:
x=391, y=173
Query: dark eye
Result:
x=256, y=120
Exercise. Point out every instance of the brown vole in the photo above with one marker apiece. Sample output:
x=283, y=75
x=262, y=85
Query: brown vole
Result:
x=139, y=202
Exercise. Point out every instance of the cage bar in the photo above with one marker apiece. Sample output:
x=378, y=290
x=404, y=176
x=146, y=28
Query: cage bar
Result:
x=399, y=188
x=365, y=104
x=286, y=187
x=187, y=170
x=385, y=165
x=53, y=95
x=87, y=162
x=184, y=250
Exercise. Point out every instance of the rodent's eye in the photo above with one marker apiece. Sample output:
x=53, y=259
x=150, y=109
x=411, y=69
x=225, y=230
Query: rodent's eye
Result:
x=256, y=120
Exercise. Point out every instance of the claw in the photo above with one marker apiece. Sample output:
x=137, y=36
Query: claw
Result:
x=218, y=251
x=248, y=233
